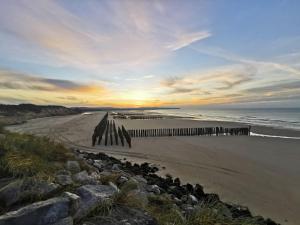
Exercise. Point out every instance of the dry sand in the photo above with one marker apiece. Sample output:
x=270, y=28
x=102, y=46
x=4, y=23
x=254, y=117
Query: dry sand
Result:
x=259, y=172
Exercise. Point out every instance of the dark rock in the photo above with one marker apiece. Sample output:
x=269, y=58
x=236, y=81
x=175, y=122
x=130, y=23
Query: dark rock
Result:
x=153, y=188
x=169, y=180
x=238, y=211
x=99, y=164
x=211, y=198
x=189, y=188
x=198, y=191
x=40, y=213
x=123, y=216
x=91, y=196
x=177, y=191
x=177, y=182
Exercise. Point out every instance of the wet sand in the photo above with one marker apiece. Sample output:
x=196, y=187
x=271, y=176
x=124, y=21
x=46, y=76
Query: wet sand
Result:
x=259, y=172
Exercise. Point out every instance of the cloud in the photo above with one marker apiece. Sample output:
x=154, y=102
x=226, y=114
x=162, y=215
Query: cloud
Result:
x=187, y=39
x=20, y=81
x=258, y=64
x=231, y=84
x=109, y=35
x=292, y=85
x=212, y=81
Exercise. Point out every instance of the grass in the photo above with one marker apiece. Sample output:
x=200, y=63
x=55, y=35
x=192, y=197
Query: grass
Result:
x=30, y=156
x=113, y=177
x=163, y=209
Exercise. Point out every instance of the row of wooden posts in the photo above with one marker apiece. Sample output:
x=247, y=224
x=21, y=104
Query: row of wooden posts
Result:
x=138, y=117
x=207, y=131
x=107, y=128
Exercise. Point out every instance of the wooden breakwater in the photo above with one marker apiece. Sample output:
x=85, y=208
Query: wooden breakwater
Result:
x=201, y=131
x=106, y=129
x=137, y=116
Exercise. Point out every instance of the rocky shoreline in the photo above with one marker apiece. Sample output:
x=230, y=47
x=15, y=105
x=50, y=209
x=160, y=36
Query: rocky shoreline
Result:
x=107, y=191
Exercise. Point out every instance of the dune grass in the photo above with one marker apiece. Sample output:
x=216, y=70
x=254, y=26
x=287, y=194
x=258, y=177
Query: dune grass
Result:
x=25, y=155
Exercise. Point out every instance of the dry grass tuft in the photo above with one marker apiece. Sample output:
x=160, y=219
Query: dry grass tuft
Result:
x=27, y=155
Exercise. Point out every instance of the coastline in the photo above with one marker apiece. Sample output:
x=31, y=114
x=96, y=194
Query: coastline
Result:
x=248, y=170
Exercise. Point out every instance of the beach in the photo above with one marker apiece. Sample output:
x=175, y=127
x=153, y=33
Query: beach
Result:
x=262, y=173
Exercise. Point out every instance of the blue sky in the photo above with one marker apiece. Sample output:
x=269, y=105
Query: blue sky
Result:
x=150, y=53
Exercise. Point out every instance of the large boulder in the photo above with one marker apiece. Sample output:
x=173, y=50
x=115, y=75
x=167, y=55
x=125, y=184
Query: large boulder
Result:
x=21, y=189
x=123, y=216
x=91, y=196
x=73, y=166
x=46, y=212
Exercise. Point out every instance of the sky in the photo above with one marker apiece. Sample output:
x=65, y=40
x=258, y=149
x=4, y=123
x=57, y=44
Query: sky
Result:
x=136, y=53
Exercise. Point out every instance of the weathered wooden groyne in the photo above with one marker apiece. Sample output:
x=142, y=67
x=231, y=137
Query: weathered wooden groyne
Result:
x=201, y=131
x=137, y=116
x=108, y=129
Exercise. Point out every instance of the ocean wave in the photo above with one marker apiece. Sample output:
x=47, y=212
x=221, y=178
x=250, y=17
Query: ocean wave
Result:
x=273, y=136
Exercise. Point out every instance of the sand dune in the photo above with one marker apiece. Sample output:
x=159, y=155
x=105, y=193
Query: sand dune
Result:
x=259, y=172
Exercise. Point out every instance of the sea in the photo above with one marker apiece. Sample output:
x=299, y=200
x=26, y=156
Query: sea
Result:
x=288, y=118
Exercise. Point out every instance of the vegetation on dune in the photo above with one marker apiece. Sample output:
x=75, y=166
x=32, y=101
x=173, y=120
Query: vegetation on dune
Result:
x=25, y=155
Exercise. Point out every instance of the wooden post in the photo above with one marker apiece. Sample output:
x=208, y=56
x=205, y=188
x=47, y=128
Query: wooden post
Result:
x=106, y=133
x=121, y=136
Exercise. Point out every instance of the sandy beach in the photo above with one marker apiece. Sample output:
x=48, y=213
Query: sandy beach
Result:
x=262, y=173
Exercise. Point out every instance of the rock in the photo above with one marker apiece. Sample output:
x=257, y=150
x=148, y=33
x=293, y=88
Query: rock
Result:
x=153, y=188
x=83, y=178
x=64, y=180
x=192, y=200
x=238, y=211
x=73, y=166
x=114, y=186
x=63, y=172
x=123, y=215
x=177, y=191
x=40, y=213
x=115, y=167
x=26, y=188
x=91, y=196
x=141, y=182
x=177, y=200
x=99, y=164
x=121, y=180
x=177, y=182
x=74, y=201
x=189, y=199
x=198, y=191
x=64, y=221
x=90, y=161
x=211, y=198
x=95, y=176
